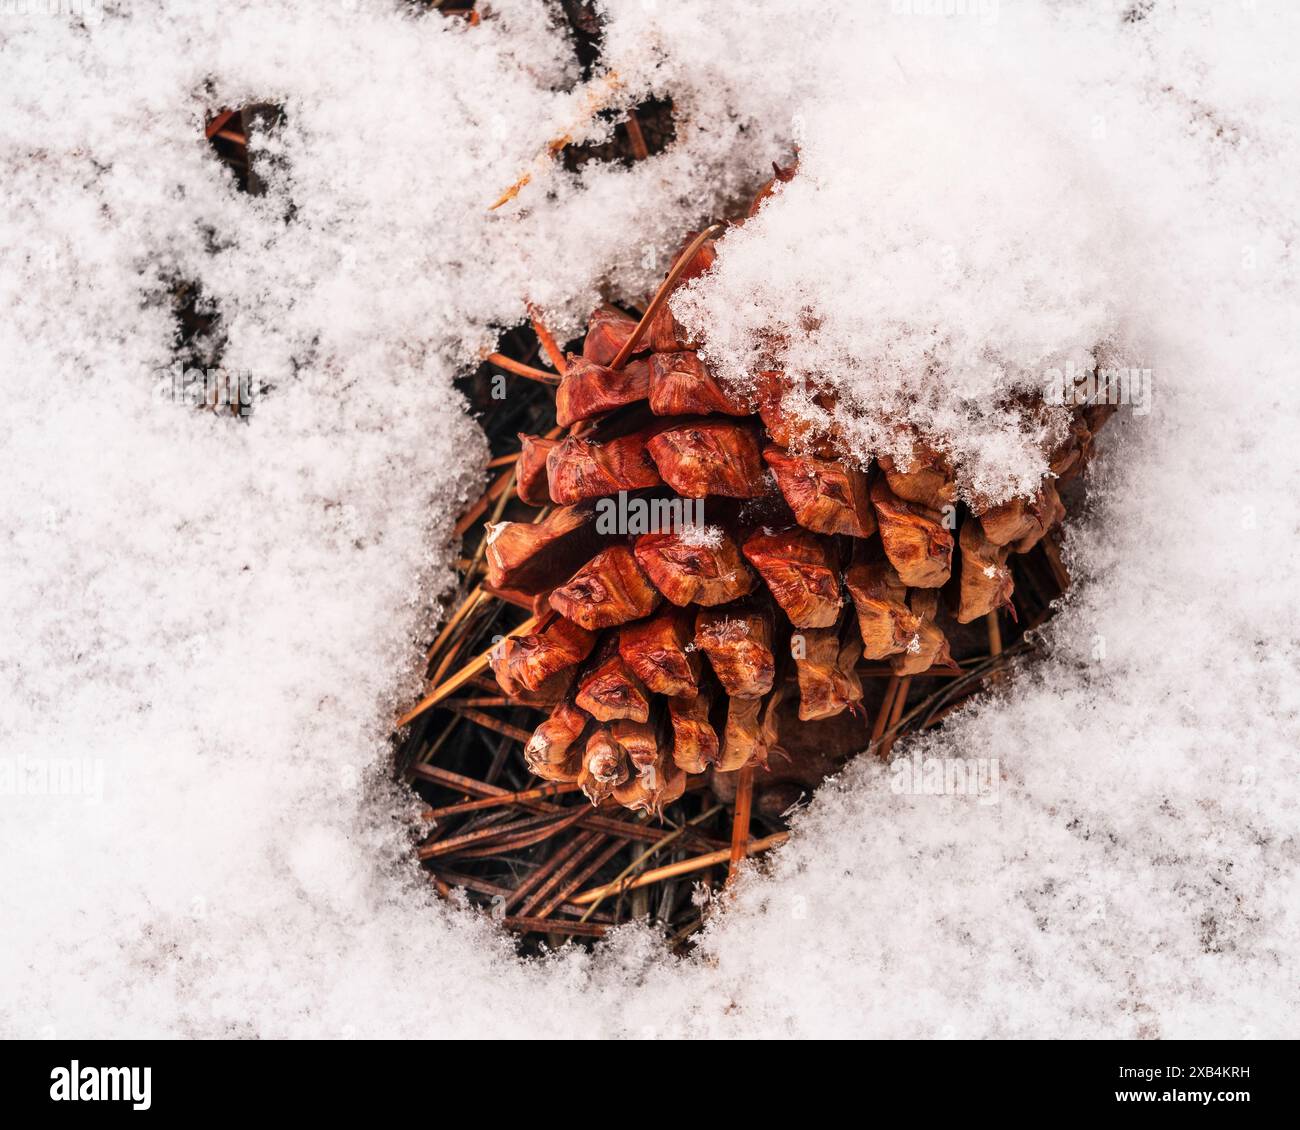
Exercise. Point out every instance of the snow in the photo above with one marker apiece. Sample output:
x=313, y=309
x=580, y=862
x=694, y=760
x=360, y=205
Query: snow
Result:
x=210, y=622
x=931, y=278
x=704, y=537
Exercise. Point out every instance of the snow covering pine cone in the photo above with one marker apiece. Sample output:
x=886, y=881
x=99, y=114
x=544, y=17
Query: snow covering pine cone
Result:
x=665, y=648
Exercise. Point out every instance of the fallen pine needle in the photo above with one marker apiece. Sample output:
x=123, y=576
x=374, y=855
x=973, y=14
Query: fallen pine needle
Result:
x=740, y=820
x=661, y=295
x=463, y=676
x=671, y=870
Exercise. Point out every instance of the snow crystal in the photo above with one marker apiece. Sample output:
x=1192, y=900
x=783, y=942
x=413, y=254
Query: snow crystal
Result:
x=217, y=617
x=703, y=537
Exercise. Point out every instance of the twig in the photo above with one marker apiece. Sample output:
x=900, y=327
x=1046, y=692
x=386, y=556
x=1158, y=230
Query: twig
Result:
x=935, y=717
x=444, y=664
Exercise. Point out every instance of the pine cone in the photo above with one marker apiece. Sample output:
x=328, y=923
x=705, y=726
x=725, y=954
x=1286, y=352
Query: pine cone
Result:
x=669, y=654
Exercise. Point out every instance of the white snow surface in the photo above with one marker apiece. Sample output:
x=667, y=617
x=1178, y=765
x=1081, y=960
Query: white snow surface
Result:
x=218, y=619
